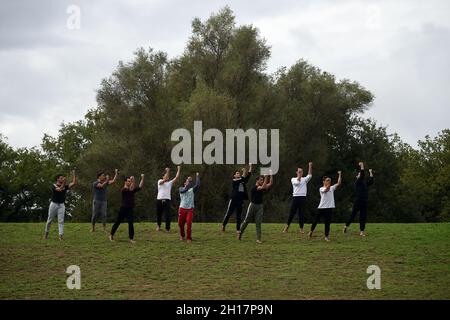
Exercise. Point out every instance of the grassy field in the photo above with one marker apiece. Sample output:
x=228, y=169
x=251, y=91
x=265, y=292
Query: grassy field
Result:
x=414, y=261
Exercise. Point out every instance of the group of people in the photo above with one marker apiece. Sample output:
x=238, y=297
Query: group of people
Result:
x=235, y=205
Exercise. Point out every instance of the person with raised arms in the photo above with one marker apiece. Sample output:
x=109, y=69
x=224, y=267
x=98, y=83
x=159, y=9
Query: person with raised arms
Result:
x=299, y=192
x=361, y=199
x=255, y=208
x=238, y=196
x=186, y=210
x=326, y=205
x=99, y=203
x=126, y=209
x=163, y=198
x=57, y=207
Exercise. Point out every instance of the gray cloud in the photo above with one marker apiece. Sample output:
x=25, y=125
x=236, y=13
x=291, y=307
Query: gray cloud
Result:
x=397, y=49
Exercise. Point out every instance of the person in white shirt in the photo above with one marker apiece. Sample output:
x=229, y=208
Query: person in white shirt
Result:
x=326, y=205
x=299, y=191
x=163, y=198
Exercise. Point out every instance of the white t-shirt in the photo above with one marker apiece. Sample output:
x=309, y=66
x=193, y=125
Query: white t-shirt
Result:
x=326, y=198
x=164, y=190
x=299, y=188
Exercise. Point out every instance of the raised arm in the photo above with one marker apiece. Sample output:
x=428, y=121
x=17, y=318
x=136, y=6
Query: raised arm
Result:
x=165, y=176
x=361, y=171
x=247, y=174
x=197, y=182
x=269, y=185
x=267, y=182
x=339, y=179
x=177, y=175
x=370, y=180
x=141, y=183
x=74, y=179
x=116, y=172
x=263, y=186
x=310, y=168
x=133, y=183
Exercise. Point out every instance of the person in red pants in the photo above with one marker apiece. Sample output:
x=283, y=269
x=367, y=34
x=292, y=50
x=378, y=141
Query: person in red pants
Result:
x=186, y=210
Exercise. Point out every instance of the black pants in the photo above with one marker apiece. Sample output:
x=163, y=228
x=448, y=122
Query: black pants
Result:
x=234, y=205
x=128, y=214
x=297, y=205
x=361, y=207
x=326, y=213
x=163, y=206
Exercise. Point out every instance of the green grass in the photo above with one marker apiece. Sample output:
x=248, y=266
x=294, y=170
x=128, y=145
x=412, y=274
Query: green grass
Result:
x=414, y=261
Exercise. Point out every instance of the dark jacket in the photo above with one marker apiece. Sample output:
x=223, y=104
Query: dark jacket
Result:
x=362, y=187
x=239, y=189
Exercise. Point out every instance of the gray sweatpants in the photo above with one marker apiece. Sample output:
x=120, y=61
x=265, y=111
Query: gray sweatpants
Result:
x=256, y=211
x=99, y=209
x=56, y=210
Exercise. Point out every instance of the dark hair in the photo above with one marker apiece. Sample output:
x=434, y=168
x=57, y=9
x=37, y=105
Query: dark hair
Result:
x=325, y=178
x=59, y=175
x=100, y=173
x=126, y=178
x=258, y=177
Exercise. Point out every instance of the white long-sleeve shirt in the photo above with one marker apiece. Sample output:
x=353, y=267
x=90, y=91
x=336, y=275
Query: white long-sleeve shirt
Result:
x=299, y=187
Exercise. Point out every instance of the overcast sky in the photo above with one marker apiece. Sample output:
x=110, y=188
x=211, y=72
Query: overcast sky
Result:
x=399, y=50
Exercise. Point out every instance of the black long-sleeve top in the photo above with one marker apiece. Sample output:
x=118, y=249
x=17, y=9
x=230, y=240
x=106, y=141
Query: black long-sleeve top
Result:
x=239, y=190
x=362, y=186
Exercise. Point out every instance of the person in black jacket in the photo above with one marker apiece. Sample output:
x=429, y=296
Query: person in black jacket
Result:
x=238, y=196
x=126, y=209
x=361, y=199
